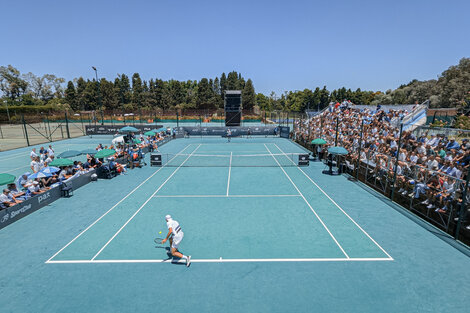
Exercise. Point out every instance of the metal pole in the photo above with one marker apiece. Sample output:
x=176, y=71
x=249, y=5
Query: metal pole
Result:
x=67, y=125
x=462, y=206
x=49, y=127
x=81, y=120
x=336, y=137
x=8, y=112
x=359, y=151
x=25, y=130
x=1, y=132
x=396, y=163
x=99, y=95
x=177, y=119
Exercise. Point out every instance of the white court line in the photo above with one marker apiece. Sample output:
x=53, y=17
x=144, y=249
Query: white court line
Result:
x=229, y=171
x=125, y=197
x=145, y=203
x=220, y=260
x=318, y=217
x=336, y=204
x=224, y=196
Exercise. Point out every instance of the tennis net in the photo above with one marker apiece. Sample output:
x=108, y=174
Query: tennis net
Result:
x=227, y=160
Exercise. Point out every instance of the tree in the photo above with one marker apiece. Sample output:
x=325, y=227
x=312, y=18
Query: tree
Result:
x=204, y=95
x=223, y=86
x=11, y=82
x=137, y=90
x=71, y=96
x=248, y=96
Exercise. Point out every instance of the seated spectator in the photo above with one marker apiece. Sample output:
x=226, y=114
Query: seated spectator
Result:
x=34, y=188
x=23, y=181
x=7, y=199
x=15, y=193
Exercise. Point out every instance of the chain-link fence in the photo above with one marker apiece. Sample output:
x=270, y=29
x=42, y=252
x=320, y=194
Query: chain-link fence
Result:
x=21, y=130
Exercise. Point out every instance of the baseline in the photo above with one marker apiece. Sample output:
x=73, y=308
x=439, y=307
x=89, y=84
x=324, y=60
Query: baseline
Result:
x=221, y=260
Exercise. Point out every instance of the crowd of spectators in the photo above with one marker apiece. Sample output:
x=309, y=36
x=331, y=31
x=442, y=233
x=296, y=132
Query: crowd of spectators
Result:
x=429, y=168
x=128, y=155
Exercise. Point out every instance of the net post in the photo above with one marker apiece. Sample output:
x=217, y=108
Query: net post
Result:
x=25, y=129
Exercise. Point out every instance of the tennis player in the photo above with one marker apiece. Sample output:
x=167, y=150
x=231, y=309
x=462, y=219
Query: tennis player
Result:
x=229, y=134
x=175, y=234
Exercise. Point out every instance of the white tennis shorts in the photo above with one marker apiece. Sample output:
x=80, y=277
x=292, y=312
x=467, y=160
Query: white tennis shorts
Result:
x=177, y=239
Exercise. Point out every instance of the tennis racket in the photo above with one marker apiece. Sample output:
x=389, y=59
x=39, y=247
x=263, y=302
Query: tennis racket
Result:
x=158, y=240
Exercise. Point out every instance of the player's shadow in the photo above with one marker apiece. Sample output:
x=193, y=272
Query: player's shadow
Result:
x=170, y=257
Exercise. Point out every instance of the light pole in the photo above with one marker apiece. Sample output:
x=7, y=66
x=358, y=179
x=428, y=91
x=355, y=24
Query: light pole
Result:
x=99, y=95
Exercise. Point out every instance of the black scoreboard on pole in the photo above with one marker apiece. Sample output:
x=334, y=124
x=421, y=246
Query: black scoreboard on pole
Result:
x=233, y=107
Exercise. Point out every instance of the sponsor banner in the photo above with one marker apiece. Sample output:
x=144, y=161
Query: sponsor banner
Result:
x=16, y=212
x=222, y=131
x=24, y=208
x=112, y=130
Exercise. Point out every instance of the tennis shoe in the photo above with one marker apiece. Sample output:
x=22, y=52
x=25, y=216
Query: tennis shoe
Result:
x=188, y=261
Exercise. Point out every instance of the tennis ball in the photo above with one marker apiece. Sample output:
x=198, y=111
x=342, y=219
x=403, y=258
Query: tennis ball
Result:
x=159, y=232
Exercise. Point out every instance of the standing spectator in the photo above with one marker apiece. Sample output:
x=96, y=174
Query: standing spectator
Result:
x=35, y=165
x=33, y=154
x=50, y=151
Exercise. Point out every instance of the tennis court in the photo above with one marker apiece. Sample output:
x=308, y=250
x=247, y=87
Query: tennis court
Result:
x=265, y=236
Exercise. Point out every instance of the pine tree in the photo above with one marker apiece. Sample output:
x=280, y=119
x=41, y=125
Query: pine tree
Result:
x=71, y=96
x=137, y=90
x=248, y=96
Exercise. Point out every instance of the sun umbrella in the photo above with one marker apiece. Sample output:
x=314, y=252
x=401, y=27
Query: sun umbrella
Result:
x=117, y=140
x=128, y=129
x=61, y=162
x=39, y=175
x=105, y=153
x=49, y=170
x=149, y=133
x=161, y=129
x=338, y=150
x=69, y=154
x=6, y=179
x=137, y=140
x=89, y=151
x=318, y=141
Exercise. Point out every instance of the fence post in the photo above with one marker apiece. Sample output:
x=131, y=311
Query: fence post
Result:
x=1, y=132
x=81, y=120
x=359, y=151
x=67, y=125
x=49, y=127
x=177, y=119
x=396, y=163
x=25, y=130
x=462, y=206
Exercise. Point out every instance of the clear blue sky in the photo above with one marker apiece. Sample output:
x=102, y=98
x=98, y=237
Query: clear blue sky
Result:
x=281, y=45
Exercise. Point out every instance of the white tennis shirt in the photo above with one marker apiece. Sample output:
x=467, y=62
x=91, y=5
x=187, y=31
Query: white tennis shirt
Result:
x=174, y=225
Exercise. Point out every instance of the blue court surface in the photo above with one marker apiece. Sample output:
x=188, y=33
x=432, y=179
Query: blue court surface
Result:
x=265, y=236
